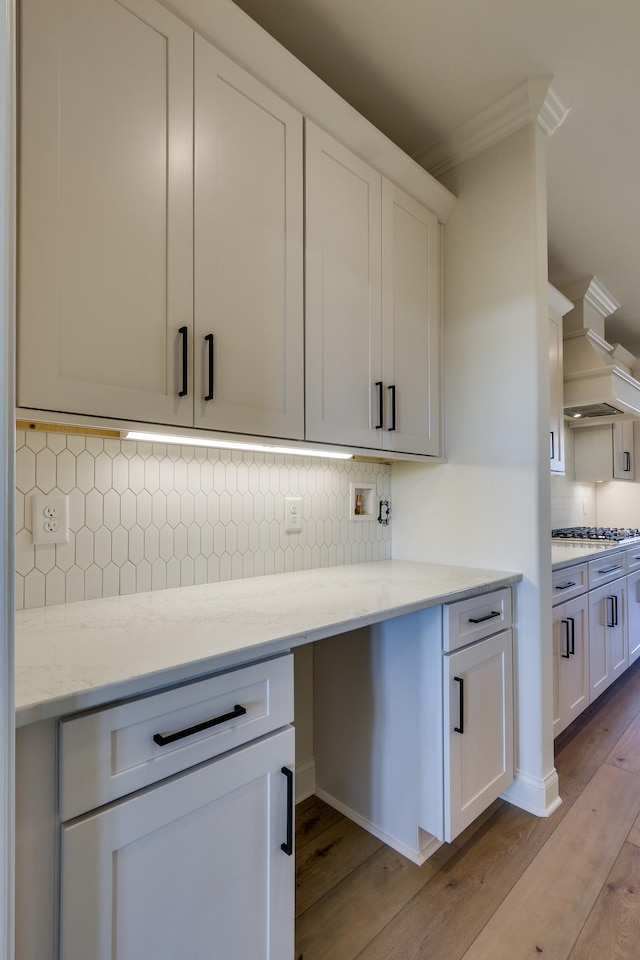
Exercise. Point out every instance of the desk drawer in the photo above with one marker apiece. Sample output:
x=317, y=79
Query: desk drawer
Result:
x=469, y=620
x=569, y=582
x=112, y=752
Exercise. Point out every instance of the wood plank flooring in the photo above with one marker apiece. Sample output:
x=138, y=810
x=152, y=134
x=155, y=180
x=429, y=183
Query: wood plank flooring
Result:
x=513, y=887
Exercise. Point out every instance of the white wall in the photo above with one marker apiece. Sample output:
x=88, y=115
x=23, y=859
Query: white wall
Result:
x=489, y=505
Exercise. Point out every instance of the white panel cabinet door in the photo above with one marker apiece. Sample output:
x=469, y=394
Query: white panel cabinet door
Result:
x=410, y=324
x=344, y=391
x=556, y=431
x=191, y=868
x=105, y=206
x=633, y=615
x=608, y=638
x=248, y=253
x=570, y=661
x=478, y=736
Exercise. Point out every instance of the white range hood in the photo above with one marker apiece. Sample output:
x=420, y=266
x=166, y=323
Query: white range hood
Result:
x=598, y=377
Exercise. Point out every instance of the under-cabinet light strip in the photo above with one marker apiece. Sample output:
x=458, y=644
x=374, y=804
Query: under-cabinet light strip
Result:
x=235, y=445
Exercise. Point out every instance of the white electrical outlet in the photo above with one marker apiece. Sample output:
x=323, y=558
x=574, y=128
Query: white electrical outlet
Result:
x=292, y=514
x=50, y=518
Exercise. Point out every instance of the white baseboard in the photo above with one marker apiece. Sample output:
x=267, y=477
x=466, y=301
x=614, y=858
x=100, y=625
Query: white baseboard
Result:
x=427, y=849
x=538, y=796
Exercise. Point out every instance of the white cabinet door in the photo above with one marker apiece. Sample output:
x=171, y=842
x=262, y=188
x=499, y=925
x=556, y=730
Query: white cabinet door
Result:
x=633, y=615
x=556, y=431
x=410, y=324
x=478, y=736
x=191, y=868
x=105, y=207
x=608, y=638
x=570, y=661
x=248, y=229
x=343, y=369
x=623, y=459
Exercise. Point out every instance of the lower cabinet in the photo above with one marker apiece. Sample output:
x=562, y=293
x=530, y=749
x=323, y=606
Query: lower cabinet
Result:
x=413, y=721
x=193, y=862
x=608, y=652
x=571, y=691
x=478, y=739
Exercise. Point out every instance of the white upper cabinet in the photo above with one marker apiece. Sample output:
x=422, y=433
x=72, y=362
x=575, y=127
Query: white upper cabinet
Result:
x=105, y=206
x=344, y=391
x=410, y=324
x=558, y=306
x=605, y=452
x=248, y=228
x=372, y=307
x=122, y=226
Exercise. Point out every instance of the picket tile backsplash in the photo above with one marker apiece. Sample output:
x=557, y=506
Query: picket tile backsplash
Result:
x=148, y=516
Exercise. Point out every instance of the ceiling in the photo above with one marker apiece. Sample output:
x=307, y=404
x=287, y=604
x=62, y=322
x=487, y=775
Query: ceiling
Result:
x=419, y=68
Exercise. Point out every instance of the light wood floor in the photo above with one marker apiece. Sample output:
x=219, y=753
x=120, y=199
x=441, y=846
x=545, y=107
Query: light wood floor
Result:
x=514, y=887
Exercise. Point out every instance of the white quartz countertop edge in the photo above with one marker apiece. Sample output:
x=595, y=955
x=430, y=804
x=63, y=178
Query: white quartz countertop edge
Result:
x=568, y=554
x=77, y=656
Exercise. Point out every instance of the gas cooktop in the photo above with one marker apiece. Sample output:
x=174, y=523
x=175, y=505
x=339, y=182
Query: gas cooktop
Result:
x=597, y=534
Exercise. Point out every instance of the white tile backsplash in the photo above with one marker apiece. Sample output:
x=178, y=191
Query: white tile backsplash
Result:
x=150, y=516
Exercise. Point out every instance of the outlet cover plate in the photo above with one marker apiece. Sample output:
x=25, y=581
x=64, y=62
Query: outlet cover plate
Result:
x=50, y=518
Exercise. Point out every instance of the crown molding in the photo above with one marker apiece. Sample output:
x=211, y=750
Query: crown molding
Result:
x=594, y=293
x=535, y=100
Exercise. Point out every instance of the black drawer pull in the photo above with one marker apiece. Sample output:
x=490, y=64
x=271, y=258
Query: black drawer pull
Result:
x=172, y=735
x=392, y=388
x=565, y=586
x=209, y=341
x=378, y=425
x=184, y=333
x=610, y=569
x=460, y=728
x=489, y=616
x=287, y=846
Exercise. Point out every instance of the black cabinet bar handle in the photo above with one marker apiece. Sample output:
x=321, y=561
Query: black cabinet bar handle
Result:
x=610, y=612
x=287, y=846
x=380, y=405
x=572, y=621
x=392, y=388
x=460, y=729
x=184, y=333
x=172, y=735
x=627, y=461
x=568, y=653
x=489, y=616
x=209, y=340
x=610, y=569
x=615, y=611
x=553, y=446
x=565, y=586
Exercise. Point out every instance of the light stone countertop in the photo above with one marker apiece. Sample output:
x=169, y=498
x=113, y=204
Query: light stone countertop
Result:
x=569, y=553
x=75, y=656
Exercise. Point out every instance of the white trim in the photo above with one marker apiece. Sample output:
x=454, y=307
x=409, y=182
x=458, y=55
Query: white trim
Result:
x=429, y=843
x=594, y=293
x=540, y=797
x=535, y=100
x=7, y=474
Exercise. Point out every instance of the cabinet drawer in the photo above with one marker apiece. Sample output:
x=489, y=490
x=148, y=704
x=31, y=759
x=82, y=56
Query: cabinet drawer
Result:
x=473, y=619
x=633, y=558
x=605, y=569
x=569, y=582
x=109, y=753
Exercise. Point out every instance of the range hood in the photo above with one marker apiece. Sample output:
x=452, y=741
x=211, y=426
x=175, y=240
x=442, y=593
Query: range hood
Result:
x=599, y=377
